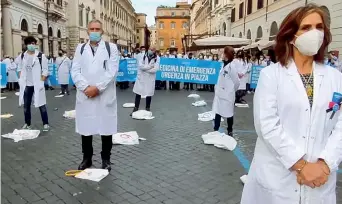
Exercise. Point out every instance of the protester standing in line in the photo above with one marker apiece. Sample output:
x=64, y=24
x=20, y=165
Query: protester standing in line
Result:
x=145, y=84
x=33, y=70
x=299, y=145
x=7, y=62
x=12, y=77
x=227, y=84
x=242, y=70
x=63, y=64
x=93, y=71
x=248, y=74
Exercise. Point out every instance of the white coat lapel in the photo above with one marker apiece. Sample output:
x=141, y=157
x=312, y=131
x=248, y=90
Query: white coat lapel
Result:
x=99, y=50
x=319, y=72
x=88, y=51
x=295, y=78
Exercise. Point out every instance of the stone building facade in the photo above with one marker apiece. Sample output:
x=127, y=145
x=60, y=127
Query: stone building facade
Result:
x=22, y=18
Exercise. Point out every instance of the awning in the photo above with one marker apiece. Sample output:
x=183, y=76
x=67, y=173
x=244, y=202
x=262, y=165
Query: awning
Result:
x=219, y=41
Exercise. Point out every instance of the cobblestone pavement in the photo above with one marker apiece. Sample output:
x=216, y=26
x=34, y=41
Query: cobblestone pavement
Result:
x=172, y=166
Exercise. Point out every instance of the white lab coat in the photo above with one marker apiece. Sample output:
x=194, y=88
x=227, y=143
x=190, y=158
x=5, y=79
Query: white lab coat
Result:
x=39, y=98
x=227, y=84
x=12, y=73
x=63, y=66
x=288, y=129
x=146, y=77
x=96, y=115
x=249, y=71
x=242, y=70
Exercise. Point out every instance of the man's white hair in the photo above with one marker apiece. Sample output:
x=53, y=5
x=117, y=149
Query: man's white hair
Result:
x=95, y=21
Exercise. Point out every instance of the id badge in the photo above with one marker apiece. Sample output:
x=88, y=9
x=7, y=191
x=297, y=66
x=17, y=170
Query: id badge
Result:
x=337, y=98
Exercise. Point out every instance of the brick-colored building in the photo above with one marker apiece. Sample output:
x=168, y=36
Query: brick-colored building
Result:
x=172, y=24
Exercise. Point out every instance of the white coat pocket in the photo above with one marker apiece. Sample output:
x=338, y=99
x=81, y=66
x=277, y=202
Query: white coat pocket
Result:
x=80, y=97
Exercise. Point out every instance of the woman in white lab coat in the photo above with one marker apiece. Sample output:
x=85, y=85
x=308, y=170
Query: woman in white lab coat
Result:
x=242, y=71
x=63, y=64
x=299, y=145
x=145, y=84
x=227, y=84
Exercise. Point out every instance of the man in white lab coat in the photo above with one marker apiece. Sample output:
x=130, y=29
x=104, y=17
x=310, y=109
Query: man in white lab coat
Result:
x=12, y=77
x=93, y=71
x=33, y=70
x=63, y=64
x=7, y=62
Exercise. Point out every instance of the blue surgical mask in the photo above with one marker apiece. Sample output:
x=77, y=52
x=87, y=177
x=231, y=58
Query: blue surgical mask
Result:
x=150, y=53
x=334, y=58
x=31, y=47
x=94, y=36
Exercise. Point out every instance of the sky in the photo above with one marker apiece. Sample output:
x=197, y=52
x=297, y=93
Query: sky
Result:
x=149, y=7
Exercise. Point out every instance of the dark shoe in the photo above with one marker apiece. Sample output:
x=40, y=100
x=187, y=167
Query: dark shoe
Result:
x=68, y=93
x=134, y=110
x=61, y=93
x=230, y=134
x=106, y=164
x=86, y=163
x=148, y=109
x=51, y=88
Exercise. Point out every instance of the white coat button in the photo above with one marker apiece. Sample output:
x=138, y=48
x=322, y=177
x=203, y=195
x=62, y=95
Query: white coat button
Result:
x=296, y=190
x=304, y=137
x=306, y=109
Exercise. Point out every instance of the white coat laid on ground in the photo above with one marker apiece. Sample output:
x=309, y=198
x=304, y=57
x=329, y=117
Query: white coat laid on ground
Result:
x=39, y=98
x=63, y=66
x=96, y=115
x=146, y=77
x=227, y=84
x=288, y=129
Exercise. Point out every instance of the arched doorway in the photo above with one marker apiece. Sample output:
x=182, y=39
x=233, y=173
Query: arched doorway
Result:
x=240, y=35
x=59, y=39
x=40, y=37
x=233, y=35
x=50, y=38
x=224, y=28
x=249, y=34
x=273, y=31
x=259, y=34
x=24, y=31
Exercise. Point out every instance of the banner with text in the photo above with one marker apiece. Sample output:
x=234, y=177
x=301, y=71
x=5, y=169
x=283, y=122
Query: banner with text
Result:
x=127, y=70
x=255, y=75
x=3, y=75
x=188, y=70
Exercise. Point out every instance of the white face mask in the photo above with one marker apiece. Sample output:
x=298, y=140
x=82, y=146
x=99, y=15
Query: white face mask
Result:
x=310, y=42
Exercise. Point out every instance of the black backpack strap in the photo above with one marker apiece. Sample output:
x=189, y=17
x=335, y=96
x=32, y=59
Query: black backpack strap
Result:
x=108, y=48
x=22, y=55
x=82, y=48
x=40, y=59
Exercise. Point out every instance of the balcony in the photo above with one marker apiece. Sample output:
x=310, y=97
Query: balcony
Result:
x=56, y=11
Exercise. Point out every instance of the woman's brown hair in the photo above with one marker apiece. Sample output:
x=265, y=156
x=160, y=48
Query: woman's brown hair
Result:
x=229, y=53
x=290, y=26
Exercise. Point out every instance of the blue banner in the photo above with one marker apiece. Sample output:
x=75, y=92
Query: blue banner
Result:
x=127, y=70
x=188, y=70
x=255, y=75
x=3, y=75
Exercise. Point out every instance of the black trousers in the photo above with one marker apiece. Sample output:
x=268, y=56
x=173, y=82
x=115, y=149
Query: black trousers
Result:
x=13, y=86
x=188, y=86
x=217, y=122
x=137, y=101
x=64, y=88
x=28, y=94
x=87, y=147
x=174, y=85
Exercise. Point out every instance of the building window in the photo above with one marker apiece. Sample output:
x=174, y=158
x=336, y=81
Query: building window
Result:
x=233, y=15
x=161, y=42
x=173, y=13
x=216, y=2
x=137, y=37
x=138, y=20
x=249, y=7
x=101, y=2
x=173, y=43
x=81, y=17
x=241, y=11
x=24, y=25
x=137, y=30
x=173, y=25
x=161, y=25
x=185, y=25
x=260, y=4
x=60, y=2
x=87, y=16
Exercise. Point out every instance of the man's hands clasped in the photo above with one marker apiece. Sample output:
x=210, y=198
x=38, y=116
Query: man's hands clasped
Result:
x=312, y=174
x=91, y=91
